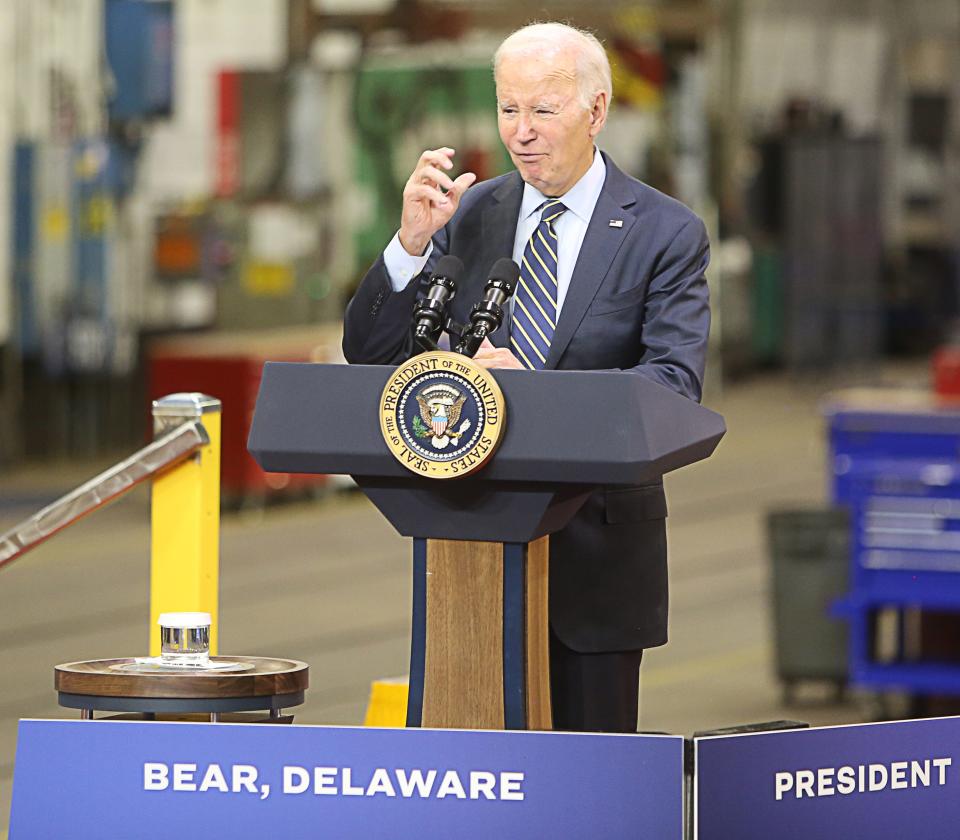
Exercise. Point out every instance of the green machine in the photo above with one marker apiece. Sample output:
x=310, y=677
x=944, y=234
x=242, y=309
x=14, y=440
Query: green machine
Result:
x=403, y=106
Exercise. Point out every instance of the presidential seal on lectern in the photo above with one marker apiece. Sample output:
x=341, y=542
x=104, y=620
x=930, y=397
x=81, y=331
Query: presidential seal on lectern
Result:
x=442, y=415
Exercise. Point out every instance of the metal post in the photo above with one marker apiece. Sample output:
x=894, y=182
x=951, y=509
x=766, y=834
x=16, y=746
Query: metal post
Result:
x=185, y=519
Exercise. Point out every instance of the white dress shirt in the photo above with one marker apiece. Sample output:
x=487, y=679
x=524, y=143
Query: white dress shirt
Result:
x=571, y=227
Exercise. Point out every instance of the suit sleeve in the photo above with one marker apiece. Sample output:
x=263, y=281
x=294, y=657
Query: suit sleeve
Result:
x=676, y=315
x=377, y=322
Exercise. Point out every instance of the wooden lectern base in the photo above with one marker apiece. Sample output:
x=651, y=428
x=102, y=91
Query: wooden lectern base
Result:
x=480, y=653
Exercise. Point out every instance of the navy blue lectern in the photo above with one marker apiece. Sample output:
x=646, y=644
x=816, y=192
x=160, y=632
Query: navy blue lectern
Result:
x=479, y=652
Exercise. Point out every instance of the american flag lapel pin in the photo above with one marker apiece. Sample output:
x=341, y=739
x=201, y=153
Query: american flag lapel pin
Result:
x=616, y=223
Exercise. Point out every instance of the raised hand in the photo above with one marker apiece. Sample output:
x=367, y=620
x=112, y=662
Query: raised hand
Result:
x=430, y=198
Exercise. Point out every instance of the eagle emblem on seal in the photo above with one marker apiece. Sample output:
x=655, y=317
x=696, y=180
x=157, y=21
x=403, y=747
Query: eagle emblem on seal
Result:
x=440, y=407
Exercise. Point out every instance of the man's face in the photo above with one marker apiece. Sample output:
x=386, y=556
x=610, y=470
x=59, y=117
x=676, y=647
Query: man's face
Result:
x=546, y=129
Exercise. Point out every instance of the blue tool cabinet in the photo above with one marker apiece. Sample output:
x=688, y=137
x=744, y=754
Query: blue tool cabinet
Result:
x=896, y=468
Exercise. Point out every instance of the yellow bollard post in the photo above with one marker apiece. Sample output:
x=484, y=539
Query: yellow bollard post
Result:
x=185, y=519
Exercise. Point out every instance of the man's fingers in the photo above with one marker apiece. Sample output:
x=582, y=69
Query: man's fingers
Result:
x=463, y=181
x=424, y=192
x=430, y=164
x=427, y=174
x=438, y=157
x=496, y=357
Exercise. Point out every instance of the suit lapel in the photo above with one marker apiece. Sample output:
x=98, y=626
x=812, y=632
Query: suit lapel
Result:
x=499, y=229
x=599, y=247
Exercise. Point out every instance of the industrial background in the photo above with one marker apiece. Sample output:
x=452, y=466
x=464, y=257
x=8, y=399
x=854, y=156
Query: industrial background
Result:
x=191, y=187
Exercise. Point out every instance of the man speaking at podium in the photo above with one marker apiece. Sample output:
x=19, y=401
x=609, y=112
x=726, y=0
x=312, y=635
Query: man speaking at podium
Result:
x=612, y=277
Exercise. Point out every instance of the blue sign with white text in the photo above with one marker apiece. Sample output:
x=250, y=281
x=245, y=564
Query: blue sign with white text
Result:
x=882, y=780
x=84, y=779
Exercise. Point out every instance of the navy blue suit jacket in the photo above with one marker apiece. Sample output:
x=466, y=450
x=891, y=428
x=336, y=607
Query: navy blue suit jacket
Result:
x=637, y=302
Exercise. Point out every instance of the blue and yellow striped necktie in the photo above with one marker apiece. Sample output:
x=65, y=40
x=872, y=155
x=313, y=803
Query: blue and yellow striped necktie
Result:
x=535, y=304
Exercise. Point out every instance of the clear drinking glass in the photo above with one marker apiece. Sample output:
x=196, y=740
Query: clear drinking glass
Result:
x=184, y=638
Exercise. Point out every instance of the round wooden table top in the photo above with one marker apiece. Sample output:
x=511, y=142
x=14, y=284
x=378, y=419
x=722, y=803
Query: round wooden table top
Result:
x=101, y=678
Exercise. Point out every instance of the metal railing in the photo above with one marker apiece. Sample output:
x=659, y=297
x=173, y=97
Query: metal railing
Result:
x=183, y=466
x=167, y=451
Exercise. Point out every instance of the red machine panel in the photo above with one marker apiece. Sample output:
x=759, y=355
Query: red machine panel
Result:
x=946, y=371
x=228, y=366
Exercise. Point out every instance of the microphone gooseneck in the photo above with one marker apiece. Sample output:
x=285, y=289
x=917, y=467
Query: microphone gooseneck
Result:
x=429, y=313
x=487, y=313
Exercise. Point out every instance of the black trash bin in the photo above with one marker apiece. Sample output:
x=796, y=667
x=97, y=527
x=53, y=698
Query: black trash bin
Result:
x=809, y=554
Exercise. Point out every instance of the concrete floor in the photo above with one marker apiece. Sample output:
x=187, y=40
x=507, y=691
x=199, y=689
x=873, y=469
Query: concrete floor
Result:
x=328, y=583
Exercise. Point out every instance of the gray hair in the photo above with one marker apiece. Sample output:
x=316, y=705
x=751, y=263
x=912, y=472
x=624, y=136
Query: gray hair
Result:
x=593, y=67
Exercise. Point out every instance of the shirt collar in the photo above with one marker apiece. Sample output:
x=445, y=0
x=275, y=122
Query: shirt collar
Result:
x=580, y=199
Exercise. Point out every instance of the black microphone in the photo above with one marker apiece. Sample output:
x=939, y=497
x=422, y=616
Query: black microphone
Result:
x=429, y=312
x=487, y=313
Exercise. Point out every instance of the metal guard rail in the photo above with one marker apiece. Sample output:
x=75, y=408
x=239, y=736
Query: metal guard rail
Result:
x=165, y=452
